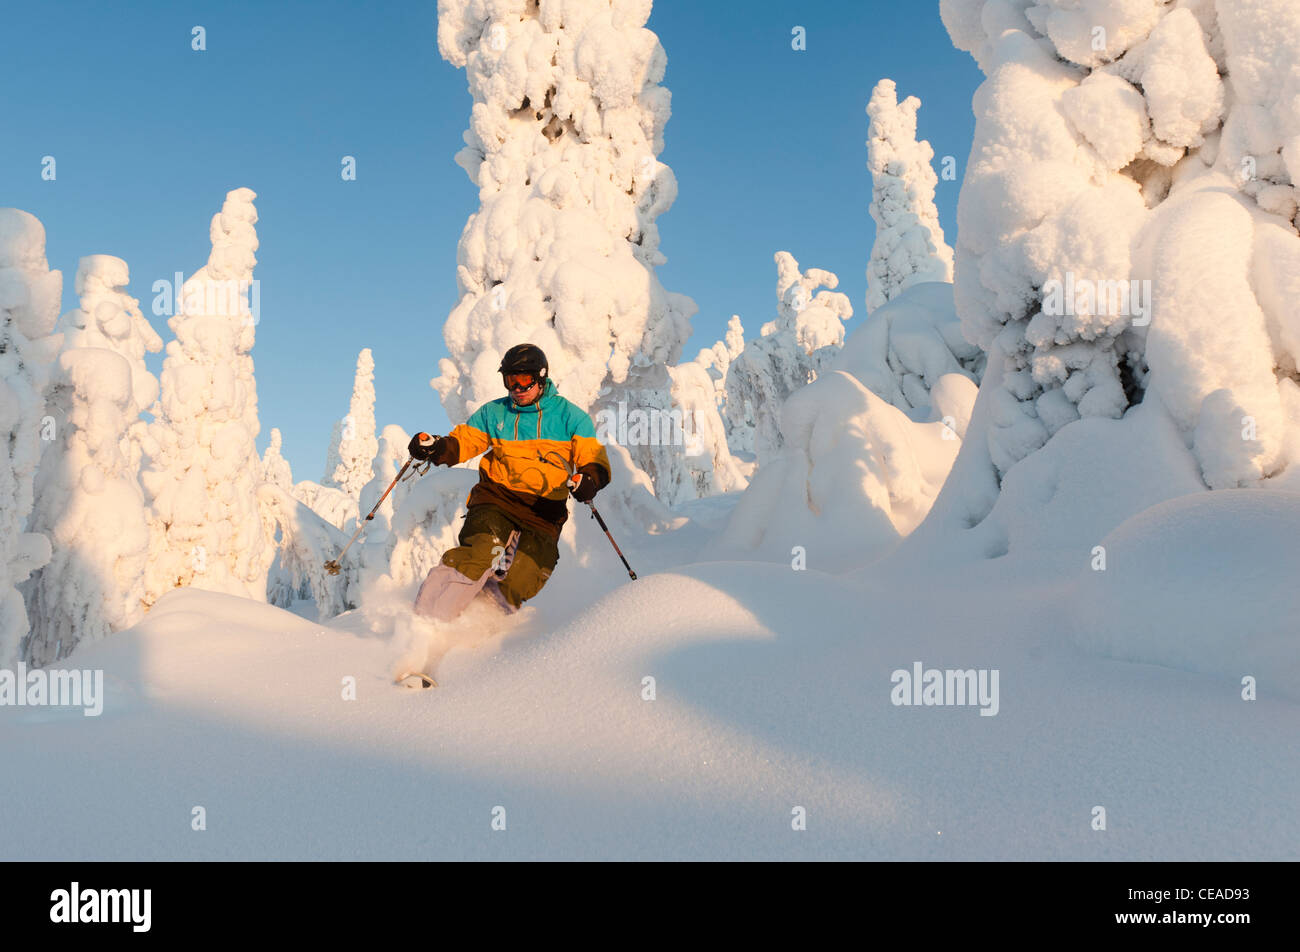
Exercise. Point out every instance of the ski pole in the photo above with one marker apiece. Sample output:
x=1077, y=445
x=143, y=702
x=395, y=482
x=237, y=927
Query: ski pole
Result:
x=333, y=566
x=596, y=515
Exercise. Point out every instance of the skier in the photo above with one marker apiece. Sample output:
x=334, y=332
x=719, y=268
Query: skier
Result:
x=540, y=448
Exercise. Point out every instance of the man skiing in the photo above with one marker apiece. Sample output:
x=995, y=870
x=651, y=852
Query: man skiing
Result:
x=540, y=448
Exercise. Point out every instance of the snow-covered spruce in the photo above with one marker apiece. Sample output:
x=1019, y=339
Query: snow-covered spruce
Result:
x=375, y=556
x=275, y=468
x=353, y=444
x=792, y=351
x=29, y=307
x=307, y=542
x=203, y=471
x=88, y=497
x=909, y=247
x=566, y=128
x=1128, y=223
x=333, y=505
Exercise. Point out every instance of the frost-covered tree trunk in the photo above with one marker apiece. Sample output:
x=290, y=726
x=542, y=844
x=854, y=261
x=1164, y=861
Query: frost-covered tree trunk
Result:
x=566, y=127
x=909, y=247
x=88, y=496
x=353, y=444
x=203, y=470
x=29, y=306
x=792, y=351
x=1128, y=222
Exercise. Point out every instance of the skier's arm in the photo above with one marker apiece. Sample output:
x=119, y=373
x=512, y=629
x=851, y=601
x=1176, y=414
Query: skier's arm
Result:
x=470, y=438
x=587, y=454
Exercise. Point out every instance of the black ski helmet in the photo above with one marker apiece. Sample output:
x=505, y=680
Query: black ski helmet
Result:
x=524, y=359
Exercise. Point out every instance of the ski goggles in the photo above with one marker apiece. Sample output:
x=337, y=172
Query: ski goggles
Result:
x=519, y=383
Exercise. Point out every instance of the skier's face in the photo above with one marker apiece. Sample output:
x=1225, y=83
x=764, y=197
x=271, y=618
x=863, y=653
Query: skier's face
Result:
x=524, y=388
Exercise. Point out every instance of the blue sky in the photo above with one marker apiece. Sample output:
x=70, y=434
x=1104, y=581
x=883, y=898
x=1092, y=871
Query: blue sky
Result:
x=768, y=145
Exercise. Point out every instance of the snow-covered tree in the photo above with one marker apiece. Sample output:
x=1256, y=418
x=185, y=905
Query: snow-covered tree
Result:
x=306, y=543
x=353, y=444
x=909, y=247
x=377, y=549
x=426, y=522
x=88, y=496
x=333, y=505
x=1128, y=224
x=203, y=470
x=29, y=306
x=566, y=128
x=792, y=351
x=275, y=468
x=710, y=468
x=716, y=361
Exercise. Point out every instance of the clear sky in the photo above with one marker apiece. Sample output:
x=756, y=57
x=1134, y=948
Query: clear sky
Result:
x=768, y=145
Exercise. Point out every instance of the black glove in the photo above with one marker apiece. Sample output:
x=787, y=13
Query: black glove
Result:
x=439, y=450
x=591, y=482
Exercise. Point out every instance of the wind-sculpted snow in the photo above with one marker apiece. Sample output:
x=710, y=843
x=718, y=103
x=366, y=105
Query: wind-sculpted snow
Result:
x=1161, y=598
x=88, y=496
x=29, y=306
x=563, y=144
x=693, y=714
x=1128, y=221
x=906, y=347
x=203, y=470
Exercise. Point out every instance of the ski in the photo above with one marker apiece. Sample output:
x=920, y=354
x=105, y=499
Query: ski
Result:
x=415, y=679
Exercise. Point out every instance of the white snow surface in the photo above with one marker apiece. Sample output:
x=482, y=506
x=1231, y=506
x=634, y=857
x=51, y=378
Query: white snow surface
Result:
x=771, y=691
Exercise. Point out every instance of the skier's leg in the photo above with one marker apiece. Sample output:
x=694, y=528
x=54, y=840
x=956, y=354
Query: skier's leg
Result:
x=536, y=557
x=482, y=539
x=451, y=586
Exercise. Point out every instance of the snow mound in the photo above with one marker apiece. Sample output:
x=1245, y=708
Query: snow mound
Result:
x=1202, y=583
x=905, y=346
x=856, y=476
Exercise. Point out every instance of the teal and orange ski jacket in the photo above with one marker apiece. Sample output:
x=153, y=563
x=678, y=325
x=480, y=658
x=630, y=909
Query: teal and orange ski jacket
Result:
x=529, y=452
